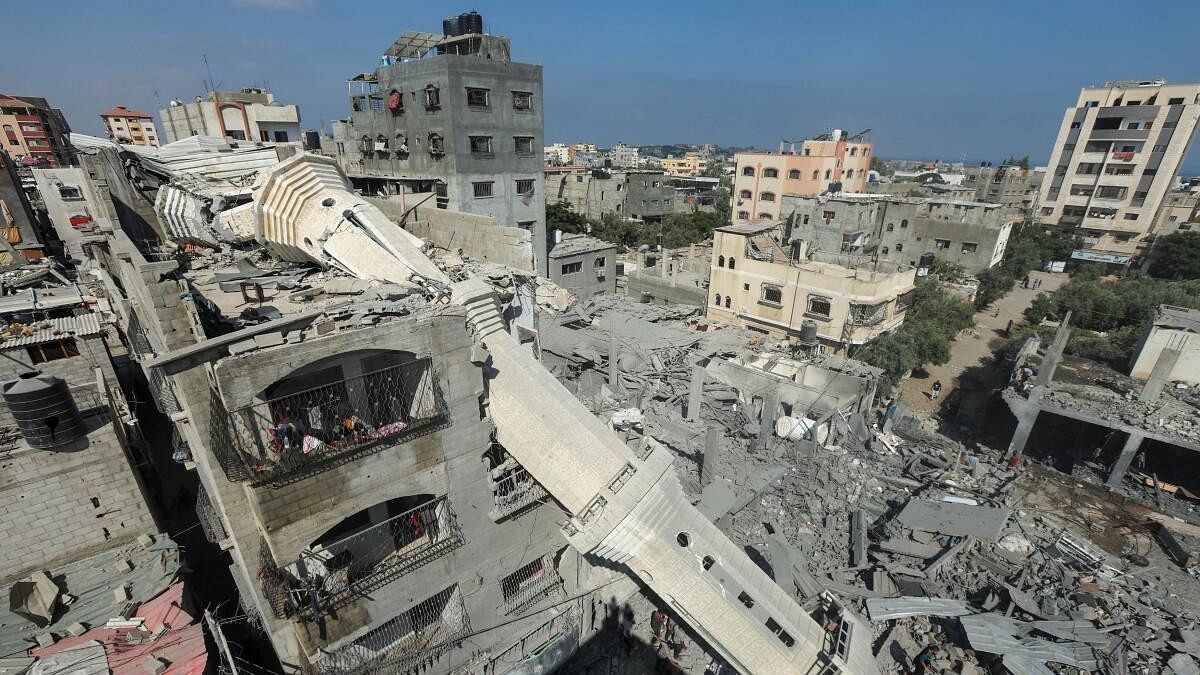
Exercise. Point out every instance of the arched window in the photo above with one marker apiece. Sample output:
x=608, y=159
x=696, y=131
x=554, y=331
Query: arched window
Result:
x=816, y=174
x=730, y=266
x=827, y=174
x=745, y=194
x=748, y=171
x=727, y=303
x=720, y=261
x=853, y=152
x=717, y=299
x=767, y=196
x=849, y=173
x=794, y=174
x=904, y=223
x=770, y=173
x=765, y=216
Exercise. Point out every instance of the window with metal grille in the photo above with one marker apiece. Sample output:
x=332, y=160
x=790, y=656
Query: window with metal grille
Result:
x=477, y=98
x=523, y=145
x=819, y=306
x=481, y=145
x=525, y=186
x=522, y=100
x=771, y=295
x=572, y=268
x=483, y=189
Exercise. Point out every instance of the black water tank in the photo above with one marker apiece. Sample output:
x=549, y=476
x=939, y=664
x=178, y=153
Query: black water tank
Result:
x=808, y=332
x=451, y=27
x=470, y=23
x=43, y=409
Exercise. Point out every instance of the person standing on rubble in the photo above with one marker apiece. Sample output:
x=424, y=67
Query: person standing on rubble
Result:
x=935, y=389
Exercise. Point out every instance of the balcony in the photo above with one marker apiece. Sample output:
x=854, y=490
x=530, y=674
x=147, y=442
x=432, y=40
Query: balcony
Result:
x=416, y=637
x=286, y=439
x=328, y=576
x=1119, y=135
x=514, y=490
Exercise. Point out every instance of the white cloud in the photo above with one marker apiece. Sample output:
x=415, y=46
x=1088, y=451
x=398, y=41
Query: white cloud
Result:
x=286, y=5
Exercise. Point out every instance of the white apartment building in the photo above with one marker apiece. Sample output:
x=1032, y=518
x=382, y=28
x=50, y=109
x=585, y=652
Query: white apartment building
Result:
x=247, y=115
x=622, y=155
x=1115, y=158
x=557, y=154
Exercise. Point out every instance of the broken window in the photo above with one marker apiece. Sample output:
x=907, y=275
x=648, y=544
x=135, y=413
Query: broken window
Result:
x=899, y=248
x=904, y=300
x=819, y=306
x=523, y=145
x=969, y=247
x=481, y=145
x=436, y=144
x=727, y=302
x=772, y=295
x=941, y=243
x=70, y=193
x=477, y=98
x=743, y=215
x=433, y=97
x=395, y=101
x=522, y=100
x=52, y=351
x=717, y=299
x=745, y=194
x=531, y=583
x=867, y=315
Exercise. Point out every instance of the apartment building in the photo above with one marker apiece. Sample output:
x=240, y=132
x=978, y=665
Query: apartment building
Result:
x=623, y=156
x=453, y=118
x=251, y=114
x=639, y=195
x=902, y=230
x=556, y=155
x=130, y=126
x=1011, y=186
x=575, y=151
x=829, y=163
x=691, y=164
x=34, y=134
x=764, y=282
x=1115, y=158
x=1180, y=210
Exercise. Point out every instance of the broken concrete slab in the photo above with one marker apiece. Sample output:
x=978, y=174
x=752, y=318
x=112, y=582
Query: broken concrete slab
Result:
x=960, y=520
x=883, y=609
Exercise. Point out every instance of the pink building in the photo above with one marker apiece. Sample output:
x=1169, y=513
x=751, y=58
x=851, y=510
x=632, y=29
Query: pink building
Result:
x=762, y=178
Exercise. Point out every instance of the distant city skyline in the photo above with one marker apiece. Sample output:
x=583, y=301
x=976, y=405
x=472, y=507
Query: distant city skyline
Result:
x=938, y=80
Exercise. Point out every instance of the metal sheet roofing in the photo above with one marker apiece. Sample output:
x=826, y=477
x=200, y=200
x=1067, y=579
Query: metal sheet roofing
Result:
x=49, y=330
x=881, y=609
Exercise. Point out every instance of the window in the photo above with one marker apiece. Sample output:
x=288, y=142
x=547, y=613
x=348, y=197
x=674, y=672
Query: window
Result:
x=770, y=173
x=1134, y=216
x=748, y=171
x=903, y=224
x=1047, y=210
x=522, y=100
x=481, y=145
x=969, y=247
x=731, y=261
x=70, y=193
x=52, y=351
x=828, y=173
x=899, y=248
x=1111, y=192
x=794, y=174
x=805, y=220
x=727, y=302
x=765, y=216
x=890, y=227
x=570, y=268
x=1169, y=220
x=717, y=299
x=853, y=152
x=1081, y=190
x=849, y=173
x=746, y=600
x=1075, y=125
x=743, y=215
x=523, y=145
x=772, y=295
x=1169, y=124
x=525, y=186
x=745, y=194
x=1150, y=172
x=745, y=287
x=477, y=98
x=1160, y=148
x=598, y=262
x=281, y=136
x=1175, y=101
x=819, y=306
x=436, y=145
x=526, y=225
x=433, y=97
x=767, y=196
x=885, y=250
x=941, y=243
x=483, y=189
x=828, y=215
x=780, y=633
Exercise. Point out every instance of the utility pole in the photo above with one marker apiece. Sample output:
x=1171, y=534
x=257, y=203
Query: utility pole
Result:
x=219, y=637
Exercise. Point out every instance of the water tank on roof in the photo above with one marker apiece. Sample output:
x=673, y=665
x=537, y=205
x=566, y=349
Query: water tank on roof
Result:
x=470, y=23
x=450, y=27
x=43, y=409
x=808, y=332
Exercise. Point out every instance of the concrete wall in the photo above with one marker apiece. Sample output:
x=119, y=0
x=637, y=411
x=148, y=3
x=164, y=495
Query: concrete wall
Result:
x=60, y=208
x=479, y=237
x=663, y=291
x=597, y=272
x=78, y=371
x=1187, y=368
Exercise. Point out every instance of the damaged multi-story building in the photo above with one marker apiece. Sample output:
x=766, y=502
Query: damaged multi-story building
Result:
x=397, y=480
x=454, y=121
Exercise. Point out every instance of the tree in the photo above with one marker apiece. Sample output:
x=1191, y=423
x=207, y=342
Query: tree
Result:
x=878, y=165
x=1177, y=256
x=560, y=216
x=713, y=169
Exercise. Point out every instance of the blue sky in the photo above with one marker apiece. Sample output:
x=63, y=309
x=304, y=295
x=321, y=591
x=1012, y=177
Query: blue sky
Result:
x=932, y=79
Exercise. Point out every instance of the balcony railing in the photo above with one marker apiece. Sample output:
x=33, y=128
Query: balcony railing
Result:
x=415, y=639
x=333, y=575
x=527, y=586
x=286, y=439
x=532, y=643
x=513, y=488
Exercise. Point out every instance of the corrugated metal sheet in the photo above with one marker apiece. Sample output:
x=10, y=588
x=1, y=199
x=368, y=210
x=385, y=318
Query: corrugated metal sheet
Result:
x=996, y=634
x=881, y=609
x=51, y=330
x=30, y=299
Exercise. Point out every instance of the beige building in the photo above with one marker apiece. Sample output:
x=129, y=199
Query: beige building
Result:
x=247, y=115
x=827, y=164
x=130, y=126
x=760, y=282
x=1116, y=156
x=691, y=164
x=1180, y=210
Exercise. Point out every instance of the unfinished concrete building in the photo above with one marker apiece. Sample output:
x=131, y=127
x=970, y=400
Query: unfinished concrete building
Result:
x=639, y=195
x=453, y=119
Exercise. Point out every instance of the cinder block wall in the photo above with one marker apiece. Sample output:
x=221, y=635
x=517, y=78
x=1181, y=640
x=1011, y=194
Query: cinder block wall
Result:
x=479, y=237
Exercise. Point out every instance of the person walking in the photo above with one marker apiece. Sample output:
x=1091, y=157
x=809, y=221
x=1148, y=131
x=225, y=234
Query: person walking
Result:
x=935, y=389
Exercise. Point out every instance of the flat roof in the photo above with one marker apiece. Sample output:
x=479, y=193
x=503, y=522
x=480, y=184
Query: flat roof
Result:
x=747, y=229
x=577, y=244
x=1183, y=318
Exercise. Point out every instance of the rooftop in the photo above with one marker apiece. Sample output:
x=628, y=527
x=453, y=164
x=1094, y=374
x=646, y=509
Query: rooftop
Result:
x=1170, y=316
x=575, y=244
x=122, y=111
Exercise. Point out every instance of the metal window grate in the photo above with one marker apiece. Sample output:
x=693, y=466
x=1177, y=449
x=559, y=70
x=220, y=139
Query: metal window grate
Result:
x=412, y=640
x=867, y=315
x=533, y=582
x=563, y=625
x=285, y=439
x=513, y=488
x=210, y=520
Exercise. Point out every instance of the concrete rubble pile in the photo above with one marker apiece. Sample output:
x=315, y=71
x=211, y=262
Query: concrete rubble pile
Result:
x=937, y=543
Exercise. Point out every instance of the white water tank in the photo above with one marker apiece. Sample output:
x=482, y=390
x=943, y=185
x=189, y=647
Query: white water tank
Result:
x=798, y=428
